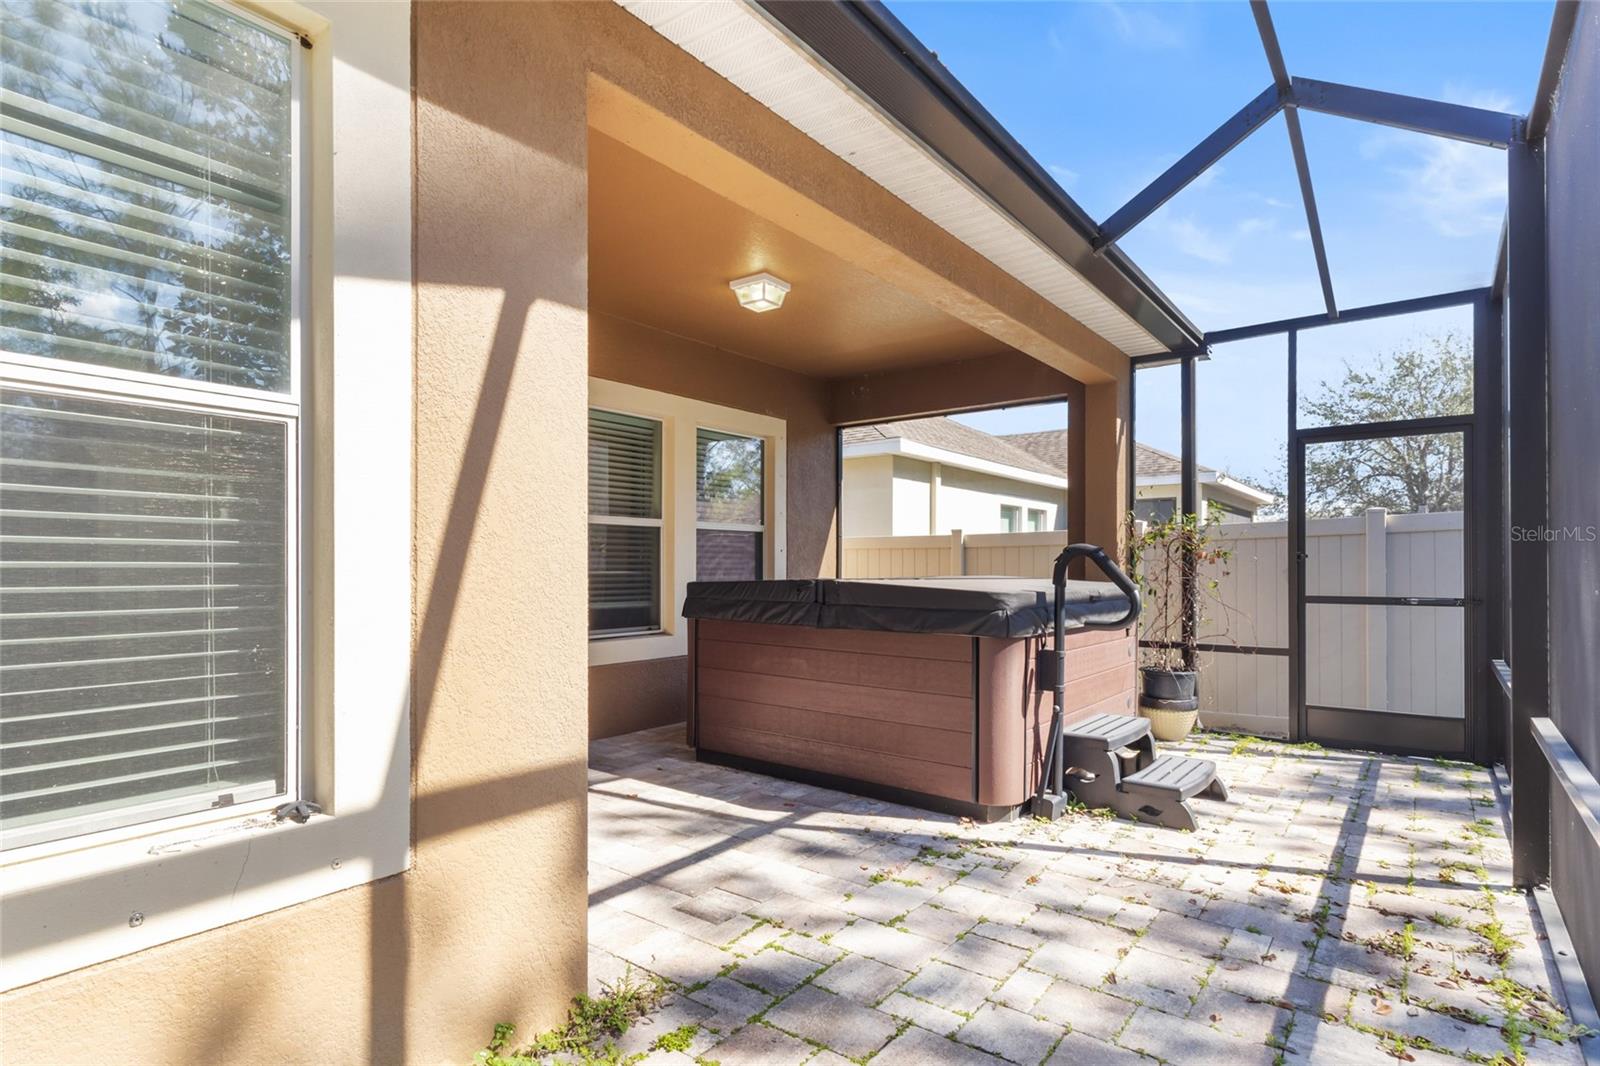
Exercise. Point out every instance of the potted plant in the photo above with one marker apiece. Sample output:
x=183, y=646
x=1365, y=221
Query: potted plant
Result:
x=1161, y=556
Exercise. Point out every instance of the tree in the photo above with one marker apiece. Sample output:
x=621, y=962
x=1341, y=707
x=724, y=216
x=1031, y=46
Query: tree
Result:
x=729, y=475
x=1404, y=474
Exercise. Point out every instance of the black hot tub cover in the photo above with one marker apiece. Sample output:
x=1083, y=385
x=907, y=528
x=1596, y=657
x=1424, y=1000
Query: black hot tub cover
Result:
x=971, y=606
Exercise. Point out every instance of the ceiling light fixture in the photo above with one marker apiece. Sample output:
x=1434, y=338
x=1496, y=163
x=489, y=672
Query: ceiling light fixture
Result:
x=760, y=292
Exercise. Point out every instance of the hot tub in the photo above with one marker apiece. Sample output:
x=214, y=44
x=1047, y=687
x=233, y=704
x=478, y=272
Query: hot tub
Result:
x=920, y=691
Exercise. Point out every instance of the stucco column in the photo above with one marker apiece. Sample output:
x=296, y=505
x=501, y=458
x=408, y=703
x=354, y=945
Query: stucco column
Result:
x=1105, y=462
x=494, y=911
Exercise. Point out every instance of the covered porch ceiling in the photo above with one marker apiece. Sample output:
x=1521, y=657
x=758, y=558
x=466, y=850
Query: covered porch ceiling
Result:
x=664, y=247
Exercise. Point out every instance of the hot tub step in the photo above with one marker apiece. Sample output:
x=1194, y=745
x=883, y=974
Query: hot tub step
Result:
x=1139, y=784
x=1163, y=789
x=1107, y=732
x=1177, y=776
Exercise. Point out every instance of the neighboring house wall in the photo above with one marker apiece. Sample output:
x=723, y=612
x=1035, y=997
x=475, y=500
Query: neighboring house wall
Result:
x=897, y=496
x=867, y=497
x=1163, y=500
x=911, y=497
x=970, y=500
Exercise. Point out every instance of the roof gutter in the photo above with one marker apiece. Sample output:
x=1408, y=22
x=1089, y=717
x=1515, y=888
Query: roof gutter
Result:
x=872, y=50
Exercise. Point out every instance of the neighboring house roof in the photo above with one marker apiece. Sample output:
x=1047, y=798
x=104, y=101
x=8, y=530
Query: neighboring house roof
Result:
x=950, y=436
x=1039, y=454
x=1050, y=446
x=1151, y=465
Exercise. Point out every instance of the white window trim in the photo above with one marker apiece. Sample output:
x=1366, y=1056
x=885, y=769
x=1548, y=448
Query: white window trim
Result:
x=85, y=900
x=680, y=419
x=658, y=523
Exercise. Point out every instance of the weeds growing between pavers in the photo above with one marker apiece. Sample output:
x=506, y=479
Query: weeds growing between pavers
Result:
x=588, y=1037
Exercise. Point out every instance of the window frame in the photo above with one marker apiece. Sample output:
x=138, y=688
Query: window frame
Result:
x=289, y=408
x=658, y=523
x=681, y=420
x=84, y=905
x=1010, y=518
x=65, y=383
x=1038, y=520
x=763, y=528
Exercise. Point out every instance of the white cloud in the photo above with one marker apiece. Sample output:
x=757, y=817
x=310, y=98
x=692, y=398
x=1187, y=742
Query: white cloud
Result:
x=1458, y=189
x=1488, y=99
x=1139, y=25
x=1210, y=244
x=1218, y=300
x=1193, y=239
x=1207, y=178
x=1065, y=176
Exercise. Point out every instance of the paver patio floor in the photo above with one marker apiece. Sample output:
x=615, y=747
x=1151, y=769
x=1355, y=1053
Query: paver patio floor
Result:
x=1342, y=907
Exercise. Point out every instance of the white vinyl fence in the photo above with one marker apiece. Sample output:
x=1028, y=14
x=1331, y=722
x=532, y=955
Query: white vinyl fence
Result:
x=1011, y=554
x=1385, y=658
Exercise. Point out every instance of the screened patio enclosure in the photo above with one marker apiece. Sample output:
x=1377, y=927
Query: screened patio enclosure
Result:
x=1507, y=614
x=1431, y=632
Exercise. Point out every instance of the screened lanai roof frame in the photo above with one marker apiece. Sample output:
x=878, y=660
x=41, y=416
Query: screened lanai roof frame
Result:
x=1510, y=420
x=1288, y=95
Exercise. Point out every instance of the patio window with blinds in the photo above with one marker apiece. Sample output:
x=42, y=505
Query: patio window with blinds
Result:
x=624, y=524
x=149, y=414
x=730, y=506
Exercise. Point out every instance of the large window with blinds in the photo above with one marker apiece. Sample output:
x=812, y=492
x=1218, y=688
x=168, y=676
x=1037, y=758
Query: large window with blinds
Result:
x=680, y=490
x=149, y=414
x=624, y=524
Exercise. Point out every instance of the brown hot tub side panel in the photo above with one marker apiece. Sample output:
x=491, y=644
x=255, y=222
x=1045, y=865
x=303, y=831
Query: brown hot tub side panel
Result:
x=1014, y=718
x=951, y=717
x=890, y=708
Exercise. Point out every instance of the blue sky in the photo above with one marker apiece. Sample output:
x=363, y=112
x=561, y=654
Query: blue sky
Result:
x=1107, y=95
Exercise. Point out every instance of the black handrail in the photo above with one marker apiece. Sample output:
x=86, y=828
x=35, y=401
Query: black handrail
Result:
x=1054, y=770
x=1097, y=555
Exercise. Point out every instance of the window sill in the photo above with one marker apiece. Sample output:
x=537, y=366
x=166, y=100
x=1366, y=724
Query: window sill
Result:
x=72, y=909
x=608, y=651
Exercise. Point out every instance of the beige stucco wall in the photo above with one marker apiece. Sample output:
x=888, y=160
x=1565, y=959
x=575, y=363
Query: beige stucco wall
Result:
x=488, y=924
